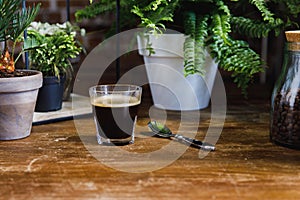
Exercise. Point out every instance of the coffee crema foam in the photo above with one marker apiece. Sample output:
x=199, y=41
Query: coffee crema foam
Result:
x=115, y=100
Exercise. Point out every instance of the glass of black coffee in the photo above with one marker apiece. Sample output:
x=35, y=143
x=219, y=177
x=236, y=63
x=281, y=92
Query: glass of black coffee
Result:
x=115, y=112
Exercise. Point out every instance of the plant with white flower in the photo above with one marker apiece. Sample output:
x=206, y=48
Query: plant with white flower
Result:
x=54, y=45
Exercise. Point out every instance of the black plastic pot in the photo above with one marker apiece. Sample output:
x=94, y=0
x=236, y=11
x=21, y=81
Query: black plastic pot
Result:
x=50, y=94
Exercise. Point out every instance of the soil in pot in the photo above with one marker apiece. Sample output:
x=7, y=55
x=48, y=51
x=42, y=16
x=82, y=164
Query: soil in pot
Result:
x=17, y=73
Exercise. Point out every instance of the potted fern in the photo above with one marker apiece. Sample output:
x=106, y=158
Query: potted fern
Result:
x=19, y=88
x=209, y=25
x=55, y=45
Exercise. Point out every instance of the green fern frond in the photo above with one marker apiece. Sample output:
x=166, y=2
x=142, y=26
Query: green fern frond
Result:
x=189, y=56
x=190, y=23
x=194, y=46
x=222, y=8
x=261, y=6
x=221, y=27
x=153, y=14
x=95, y=9
x=200, y=48
x=137, y=11
x=289, y=7
x=238, y=58
x=156, y=4
x=189, y=43
x=197, y=30
x=293, y=7
x=234, y=55
x=255, y=28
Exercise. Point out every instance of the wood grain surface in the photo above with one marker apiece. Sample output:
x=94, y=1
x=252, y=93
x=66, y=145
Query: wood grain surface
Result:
x=54, y=163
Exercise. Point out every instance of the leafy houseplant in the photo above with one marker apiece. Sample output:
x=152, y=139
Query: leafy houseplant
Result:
x=12, y=25
x=55, y=45
x=18, y=88
x=209, y=24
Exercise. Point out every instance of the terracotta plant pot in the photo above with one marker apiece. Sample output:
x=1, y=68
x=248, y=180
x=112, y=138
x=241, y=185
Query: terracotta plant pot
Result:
x=17, y=102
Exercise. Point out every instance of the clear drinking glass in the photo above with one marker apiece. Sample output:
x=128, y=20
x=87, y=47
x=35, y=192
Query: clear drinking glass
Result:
x=115, y=112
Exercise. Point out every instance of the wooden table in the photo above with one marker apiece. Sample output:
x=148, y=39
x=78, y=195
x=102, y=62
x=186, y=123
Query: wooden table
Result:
x=53, y=163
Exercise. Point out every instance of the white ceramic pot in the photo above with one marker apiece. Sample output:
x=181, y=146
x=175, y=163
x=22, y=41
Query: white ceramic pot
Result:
x=170, y=89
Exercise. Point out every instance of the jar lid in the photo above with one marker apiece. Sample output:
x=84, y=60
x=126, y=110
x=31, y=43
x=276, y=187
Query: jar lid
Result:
x=293, y=37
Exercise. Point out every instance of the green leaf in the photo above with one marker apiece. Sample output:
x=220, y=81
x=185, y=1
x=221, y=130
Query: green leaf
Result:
x=30, y=44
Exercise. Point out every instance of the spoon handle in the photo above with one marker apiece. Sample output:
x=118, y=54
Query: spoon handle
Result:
x=196, y=143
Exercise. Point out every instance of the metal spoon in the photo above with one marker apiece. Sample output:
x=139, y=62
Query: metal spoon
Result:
x=163, y=131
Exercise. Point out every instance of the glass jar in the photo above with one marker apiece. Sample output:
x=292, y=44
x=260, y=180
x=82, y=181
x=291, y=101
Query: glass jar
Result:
x=285, y=104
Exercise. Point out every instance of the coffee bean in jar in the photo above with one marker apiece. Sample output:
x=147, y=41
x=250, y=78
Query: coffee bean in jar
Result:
x=285, y=125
